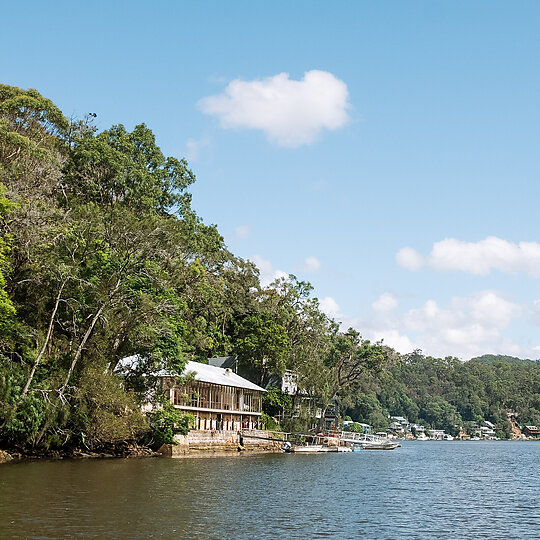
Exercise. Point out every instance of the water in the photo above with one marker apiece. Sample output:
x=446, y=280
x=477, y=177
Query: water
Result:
x=422, y=490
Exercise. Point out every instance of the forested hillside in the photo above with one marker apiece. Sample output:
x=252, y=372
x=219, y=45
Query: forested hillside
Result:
x=102, y=256
x=448, y=393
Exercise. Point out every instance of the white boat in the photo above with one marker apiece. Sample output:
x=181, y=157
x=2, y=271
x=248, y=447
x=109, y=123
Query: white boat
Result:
x=374, y=442
x=312, y=448
x=382, y=444
x=308, y=448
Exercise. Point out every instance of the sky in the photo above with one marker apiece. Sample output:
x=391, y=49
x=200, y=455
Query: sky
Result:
x=387, y=152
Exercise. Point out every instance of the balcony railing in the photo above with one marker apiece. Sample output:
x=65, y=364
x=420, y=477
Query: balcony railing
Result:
x=179, y=399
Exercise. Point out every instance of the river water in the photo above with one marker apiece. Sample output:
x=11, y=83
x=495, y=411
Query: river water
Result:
x=421, y=490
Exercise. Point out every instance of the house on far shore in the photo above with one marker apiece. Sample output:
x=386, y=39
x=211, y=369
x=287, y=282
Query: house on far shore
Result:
x=436, y=434
x=217, y=397
x=531, y=431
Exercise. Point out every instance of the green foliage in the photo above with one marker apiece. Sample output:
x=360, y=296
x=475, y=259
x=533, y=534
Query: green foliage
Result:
x=105, y=414
x=264, y=342
x=492, y=358
x=269, y=422
x=276, y=402
x=30, y=125
x=445, y=393
x=24, y=424
x=128, y=169
x=167, y=422
x=297, y=424
x=7, y=309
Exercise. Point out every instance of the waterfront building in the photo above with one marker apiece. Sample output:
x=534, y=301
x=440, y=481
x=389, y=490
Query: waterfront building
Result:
x=419, y=428
x=217, y=397
x=531, y=431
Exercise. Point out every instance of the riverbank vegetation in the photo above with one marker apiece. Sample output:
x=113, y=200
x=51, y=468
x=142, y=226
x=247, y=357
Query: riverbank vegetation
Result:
x=102, y=257
x=449, y=394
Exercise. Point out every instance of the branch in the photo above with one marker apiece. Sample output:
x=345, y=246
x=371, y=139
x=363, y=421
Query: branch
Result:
x=46, y=342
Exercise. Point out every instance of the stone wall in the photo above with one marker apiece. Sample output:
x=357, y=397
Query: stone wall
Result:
x=214, y=441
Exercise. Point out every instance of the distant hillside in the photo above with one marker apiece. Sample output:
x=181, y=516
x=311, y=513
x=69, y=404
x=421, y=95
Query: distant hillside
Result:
x=492, y=358
x=445, y=393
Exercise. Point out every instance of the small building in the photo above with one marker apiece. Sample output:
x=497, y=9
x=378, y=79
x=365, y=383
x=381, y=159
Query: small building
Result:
x=485, y=432
x=531, y=431
x=399, y=424
x=419, y=428
x=217, y=397
x=366, y=428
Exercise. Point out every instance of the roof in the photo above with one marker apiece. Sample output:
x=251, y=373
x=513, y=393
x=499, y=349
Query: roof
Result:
x=217, y=375
x=203, y=373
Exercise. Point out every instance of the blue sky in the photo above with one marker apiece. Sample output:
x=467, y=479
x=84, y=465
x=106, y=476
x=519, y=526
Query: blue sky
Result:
x=388, y=152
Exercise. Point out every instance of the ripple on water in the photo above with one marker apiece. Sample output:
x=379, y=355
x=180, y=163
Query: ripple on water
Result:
x=435, y=490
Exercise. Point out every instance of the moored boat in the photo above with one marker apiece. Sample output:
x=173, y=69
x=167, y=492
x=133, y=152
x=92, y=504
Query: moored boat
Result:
x=382, y=444
x=374, y=442
x=308, y=448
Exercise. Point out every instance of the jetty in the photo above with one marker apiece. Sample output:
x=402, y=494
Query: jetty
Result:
x=343, y=441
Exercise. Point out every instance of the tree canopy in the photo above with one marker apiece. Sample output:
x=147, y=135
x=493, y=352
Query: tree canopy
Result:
x=103, y=257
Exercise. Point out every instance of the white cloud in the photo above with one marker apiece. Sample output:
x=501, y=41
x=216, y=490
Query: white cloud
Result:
x=291, y=113
x=242, y=232
x=386, y=302
x=329, y=306
x=535, y=312
x=468, y=326
x=490, y=309
x=409, y=258
x=267, y=271
x=311, y=264
x=477, y=258
x=394, y=339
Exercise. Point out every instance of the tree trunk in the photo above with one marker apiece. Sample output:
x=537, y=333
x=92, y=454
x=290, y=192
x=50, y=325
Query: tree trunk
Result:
x=81, y=347
x=72, y=367
x=47, y=338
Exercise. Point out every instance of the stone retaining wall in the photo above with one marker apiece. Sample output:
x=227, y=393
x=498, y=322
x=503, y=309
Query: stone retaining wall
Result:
x=214, y=441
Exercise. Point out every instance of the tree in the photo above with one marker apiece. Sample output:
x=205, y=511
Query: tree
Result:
x=7, y=310
x=349, y=360
x=264, y=343
x=121, y=168
x=276, y=402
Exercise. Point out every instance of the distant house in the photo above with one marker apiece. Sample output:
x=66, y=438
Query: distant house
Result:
x=531, y=431
x=399, y=424
x=217, y=397
x=366, y=428
x=485, y=432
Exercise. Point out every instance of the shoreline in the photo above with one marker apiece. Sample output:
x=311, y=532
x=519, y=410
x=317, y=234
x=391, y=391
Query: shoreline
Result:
x=179, y=451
